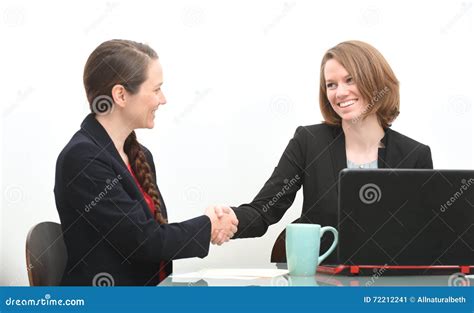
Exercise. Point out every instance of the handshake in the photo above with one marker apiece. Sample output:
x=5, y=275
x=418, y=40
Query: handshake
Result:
x=224, y=223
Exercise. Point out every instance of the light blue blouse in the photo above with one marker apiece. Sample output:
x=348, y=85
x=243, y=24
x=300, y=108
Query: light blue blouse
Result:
x=373, y=164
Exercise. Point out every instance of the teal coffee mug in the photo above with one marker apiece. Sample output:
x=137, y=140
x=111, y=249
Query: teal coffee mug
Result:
x=302, y=247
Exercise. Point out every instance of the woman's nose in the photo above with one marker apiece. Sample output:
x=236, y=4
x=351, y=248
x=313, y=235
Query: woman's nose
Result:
x=342, y=91
x=162, y=98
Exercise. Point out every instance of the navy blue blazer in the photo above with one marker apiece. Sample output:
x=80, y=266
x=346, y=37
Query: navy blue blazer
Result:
x=313, y=160
x=109, y=231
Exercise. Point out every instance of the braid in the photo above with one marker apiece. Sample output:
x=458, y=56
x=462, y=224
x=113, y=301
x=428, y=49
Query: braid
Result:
x=142, y=171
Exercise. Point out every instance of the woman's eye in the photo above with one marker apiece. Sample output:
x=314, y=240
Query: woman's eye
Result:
x=349, y=80
x=330, y=85
x=157, y=90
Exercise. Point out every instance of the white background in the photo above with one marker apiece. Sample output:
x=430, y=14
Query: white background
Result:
x=240, y=76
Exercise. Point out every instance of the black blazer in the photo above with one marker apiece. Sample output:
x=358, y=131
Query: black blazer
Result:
x=108, y=228
x=313, y=159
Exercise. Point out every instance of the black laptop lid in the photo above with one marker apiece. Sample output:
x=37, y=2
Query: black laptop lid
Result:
x=406, y=217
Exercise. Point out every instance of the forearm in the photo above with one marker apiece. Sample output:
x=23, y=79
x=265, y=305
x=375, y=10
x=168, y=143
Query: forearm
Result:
x=251, y=222
x=187, y=239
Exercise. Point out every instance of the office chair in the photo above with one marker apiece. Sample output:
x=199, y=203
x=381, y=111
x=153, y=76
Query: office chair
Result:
x=45, y=254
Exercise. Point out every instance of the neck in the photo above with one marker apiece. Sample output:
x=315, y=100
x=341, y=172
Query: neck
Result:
x=364, y=134
x=116, y=129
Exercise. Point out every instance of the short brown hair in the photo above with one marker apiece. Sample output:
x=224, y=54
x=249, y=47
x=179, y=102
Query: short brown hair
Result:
x=372, y=75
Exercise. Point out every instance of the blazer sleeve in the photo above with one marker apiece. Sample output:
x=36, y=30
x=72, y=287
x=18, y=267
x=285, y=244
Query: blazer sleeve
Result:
x=424, y=159
x=88, y=176
x=278, y=193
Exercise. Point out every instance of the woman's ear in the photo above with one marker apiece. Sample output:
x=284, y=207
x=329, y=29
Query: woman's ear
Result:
x=118, y=95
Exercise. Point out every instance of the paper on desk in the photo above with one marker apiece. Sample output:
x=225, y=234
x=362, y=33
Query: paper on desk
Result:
x=232, y=273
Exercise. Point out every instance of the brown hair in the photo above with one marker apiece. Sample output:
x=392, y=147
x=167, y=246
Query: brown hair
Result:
x=122, y=62
x=373, y=76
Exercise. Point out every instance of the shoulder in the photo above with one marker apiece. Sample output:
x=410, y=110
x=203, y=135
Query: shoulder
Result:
x=312, y=138
x=78, y=147
x=80, y=151
x=395, y=138
x=317, y=132
x=407, y=152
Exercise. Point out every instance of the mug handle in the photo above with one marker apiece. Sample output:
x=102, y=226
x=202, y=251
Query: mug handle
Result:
x=334, y=243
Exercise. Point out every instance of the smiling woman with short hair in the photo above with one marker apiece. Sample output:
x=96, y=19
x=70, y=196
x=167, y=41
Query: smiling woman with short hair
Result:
x=359, y=100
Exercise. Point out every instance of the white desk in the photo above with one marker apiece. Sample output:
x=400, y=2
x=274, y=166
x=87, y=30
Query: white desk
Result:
x=318, y=280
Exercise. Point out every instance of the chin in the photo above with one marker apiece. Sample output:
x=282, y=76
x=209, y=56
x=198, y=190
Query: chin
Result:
x=351, y=118
x=150, y=124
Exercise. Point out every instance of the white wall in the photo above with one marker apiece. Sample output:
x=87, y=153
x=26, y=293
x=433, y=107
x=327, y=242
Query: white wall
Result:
x=240, y=76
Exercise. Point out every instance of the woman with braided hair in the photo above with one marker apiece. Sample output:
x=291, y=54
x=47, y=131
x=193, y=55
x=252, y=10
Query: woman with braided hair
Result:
x=113, y=216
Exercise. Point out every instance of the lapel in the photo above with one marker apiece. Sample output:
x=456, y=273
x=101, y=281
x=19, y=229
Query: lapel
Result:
x=94, y=130
x=385, y=156
x=337, y=148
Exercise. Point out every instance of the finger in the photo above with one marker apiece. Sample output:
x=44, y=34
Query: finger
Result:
x=218, y=211
x=220, y=237
x=231, y=229
x=214, y=237
x=225, y=238
x=225, y=209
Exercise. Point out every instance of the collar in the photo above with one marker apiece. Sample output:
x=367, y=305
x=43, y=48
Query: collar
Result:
x=337, y=148
x=94, y=130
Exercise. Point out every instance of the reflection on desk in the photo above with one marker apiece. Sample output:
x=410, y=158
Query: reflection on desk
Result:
x=319, y=280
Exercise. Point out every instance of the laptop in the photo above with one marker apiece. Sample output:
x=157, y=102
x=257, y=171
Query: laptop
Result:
x=405, y=221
